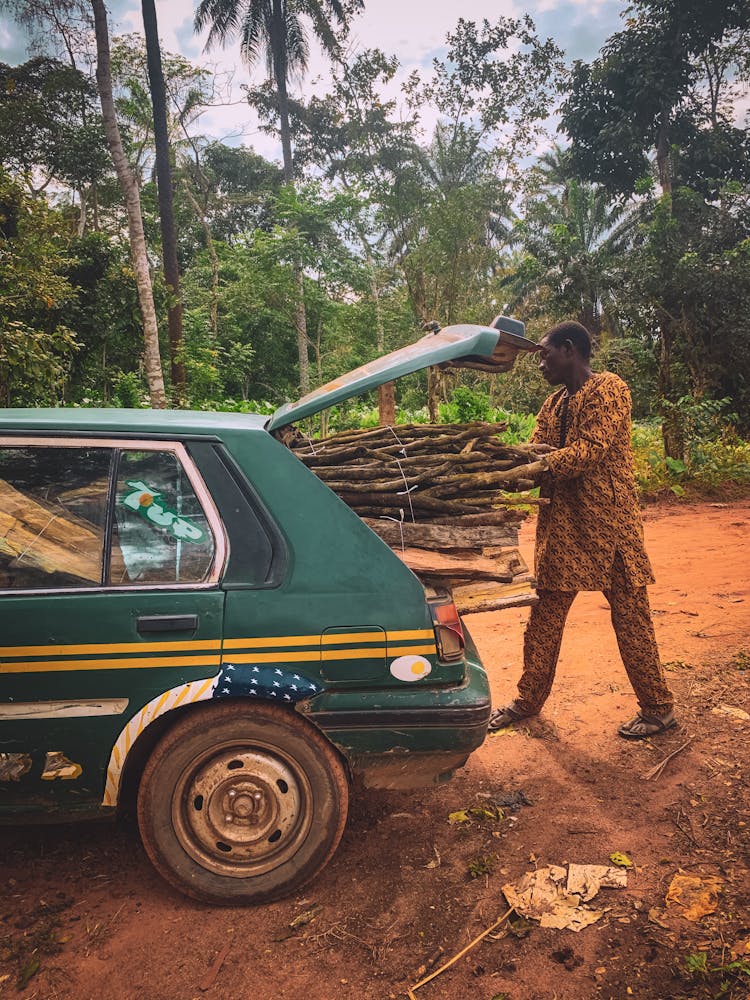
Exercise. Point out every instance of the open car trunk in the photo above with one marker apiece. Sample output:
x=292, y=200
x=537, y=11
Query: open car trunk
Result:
x=430, y=491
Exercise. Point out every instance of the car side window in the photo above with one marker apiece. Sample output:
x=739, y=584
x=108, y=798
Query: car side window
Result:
x=160, y=532
x=53, y=503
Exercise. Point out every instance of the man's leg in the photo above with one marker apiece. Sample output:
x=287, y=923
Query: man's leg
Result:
x=541, y=648
x=631, y=619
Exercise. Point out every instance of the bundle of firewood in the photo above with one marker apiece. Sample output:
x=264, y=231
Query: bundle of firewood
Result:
x=434, y=493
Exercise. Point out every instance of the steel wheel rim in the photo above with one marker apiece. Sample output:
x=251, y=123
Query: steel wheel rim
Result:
x=242, y=809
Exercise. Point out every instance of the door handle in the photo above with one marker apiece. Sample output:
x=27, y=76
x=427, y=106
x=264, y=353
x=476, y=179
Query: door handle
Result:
x=167, y=623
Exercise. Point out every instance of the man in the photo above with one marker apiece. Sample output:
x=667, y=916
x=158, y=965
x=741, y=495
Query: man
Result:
x=589, y=536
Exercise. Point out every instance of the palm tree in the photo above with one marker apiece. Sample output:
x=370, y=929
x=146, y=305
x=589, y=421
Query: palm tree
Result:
x=572, y=237
x=274, y=30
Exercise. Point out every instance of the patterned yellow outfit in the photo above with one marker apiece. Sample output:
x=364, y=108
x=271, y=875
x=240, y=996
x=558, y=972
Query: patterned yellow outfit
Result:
x=590, y=537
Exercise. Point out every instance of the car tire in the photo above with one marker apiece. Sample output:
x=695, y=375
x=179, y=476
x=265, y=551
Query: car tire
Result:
x=242, y=803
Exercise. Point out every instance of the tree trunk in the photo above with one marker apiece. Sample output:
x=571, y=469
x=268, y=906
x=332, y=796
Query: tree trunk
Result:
x=82, y=211
x=387, y=404
x=213, y=308
x=300, y=316
x=662, y=153
x=386, y=392
x=434, y=390
x=164, y=188
x=671, y=430
x=300, y=323
x=131, y=194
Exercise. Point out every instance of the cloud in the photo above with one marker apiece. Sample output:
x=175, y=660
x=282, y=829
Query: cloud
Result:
x=12, y=44
x=579, y=27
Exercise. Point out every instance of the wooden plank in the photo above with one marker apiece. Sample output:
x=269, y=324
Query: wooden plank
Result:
x=496, y=603
x=487, y=596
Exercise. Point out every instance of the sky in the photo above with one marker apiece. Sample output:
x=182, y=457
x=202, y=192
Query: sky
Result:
x=413, y=30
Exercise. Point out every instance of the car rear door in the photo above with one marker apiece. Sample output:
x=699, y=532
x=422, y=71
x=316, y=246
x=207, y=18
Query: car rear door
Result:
x=111, y=553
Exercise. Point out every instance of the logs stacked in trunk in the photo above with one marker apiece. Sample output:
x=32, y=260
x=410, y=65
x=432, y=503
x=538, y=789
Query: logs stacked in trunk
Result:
x=432, y=492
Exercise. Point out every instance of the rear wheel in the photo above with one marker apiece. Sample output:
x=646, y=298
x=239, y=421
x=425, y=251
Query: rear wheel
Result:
x=241, y=803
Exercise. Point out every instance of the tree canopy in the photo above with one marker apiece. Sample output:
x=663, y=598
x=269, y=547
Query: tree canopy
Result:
x=402, y=198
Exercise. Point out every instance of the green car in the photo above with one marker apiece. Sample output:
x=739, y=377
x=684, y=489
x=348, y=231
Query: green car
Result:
x=193, y=621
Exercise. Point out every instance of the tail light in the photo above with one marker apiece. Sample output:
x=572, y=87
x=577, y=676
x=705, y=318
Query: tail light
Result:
x=449, y=633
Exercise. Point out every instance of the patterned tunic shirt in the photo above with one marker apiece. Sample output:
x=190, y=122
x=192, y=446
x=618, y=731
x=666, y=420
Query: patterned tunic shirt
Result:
x=593, y=511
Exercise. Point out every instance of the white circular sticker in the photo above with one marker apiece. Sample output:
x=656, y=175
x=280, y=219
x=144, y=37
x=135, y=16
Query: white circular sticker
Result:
x=410, y=668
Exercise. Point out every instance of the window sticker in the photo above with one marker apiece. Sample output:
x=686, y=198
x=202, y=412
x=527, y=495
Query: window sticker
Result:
x=144, y=499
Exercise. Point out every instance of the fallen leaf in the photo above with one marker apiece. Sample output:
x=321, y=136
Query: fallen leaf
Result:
x=484, y=812
x=587, y=880
x=434, y=862
x=543, y=895
x=305, y=918
x=740, y=949
x=29, y=971
x=697, y=896
x=459, y=816
x=620, y=859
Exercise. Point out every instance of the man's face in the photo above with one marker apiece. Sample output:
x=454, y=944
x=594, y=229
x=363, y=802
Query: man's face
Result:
x=553, y=361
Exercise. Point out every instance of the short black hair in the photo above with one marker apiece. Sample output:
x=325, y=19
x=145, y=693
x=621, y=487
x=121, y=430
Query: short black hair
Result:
x=575, y=332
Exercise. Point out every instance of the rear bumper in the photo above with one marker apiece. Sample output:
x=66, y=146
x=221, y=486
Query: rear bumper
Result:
x=407, y=737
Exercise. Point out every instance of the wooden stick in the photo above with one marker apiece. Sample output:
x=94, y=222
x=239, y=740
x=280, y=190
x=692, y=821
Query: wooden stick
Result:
x=452, y=961
x=655, y=772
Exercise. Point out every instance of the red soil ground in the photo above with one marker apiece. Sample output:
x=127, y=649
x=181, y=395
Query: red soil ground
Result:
x=83, y=915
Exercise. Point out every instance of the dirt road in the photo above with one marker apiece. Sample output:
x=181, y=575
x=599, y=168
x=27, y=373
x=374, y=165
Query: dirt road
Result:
x=83, y=916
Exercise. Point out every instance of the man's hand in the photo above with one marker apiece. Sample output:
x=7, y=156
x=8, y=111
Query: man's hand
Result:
x=532, y=471
x=542, y=449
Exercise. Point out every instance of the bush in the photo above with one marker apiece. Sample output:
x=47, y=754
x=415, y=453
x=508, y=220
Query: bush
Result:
x=710, y=463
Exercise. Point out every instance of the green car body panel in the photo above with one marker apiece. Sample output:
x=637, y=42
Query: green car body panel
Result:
x=302, y=604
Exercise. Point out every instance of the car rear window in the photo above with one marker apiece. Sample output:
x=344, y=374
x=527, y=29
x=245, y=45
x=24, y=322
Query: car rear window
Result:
x=87, y=516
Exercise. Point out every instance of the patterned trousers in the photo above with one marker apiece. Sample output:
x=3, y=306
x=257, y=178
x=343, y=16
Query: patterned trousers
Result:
x=631, y=619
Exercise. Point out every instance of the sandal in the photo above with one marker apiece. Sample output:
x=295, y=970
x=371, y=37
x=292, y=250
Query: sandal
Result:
x=641, y=726
x=503, y=717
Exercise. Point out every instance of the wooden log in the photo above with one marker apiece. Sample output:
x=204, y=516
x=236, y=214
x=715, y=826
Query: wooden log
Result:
x=499, y=516
x=79, y=556
x=431, y=564
x=444, y=537
x=51, y=538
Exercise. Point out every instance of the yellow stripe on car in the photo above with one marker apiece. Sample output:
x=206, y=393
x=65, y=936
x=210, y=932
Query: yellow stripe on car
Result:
x=133, y=663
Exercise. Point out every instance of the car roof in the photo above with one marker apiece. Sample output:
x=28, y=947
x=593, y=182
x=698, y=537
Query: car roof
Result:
x=80, y=421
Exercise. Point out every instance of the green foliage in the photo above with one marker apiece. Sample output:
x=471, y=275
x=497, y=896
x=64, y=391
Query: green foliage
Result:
x=633, y=360
x=393, y=226
x=466, y=406
x=723, y=978
x=36, y=344
x=129, y=390
x=570, y=236
x=50, y=122
x=479, y=867
x=711, y=462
